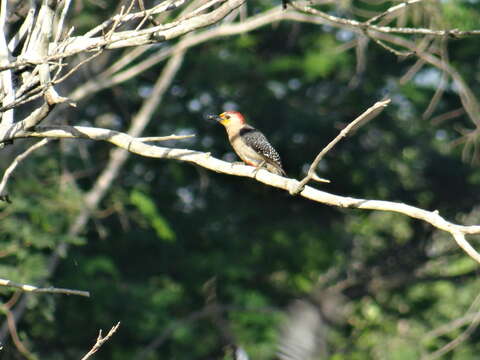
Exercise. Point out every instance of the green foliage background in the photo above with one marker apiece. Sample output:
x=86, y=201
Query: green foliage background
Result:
x=166, y=228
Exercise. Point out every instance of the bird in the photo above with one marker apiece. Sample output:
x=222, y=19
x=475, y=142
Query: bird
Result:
x=250, y=144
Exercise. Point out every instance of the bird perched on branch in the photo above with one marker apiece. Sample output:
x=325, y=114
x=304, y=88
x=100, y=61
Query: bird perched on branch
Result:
x=249, y=143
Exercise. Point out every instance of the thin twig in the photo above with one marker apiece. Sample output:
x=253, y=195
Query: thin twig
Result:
x=447, y=116
x=459, y=339
x=391, y=11
x=162, y=7
x=442, y=83
x=76, y=67
x=100, y=341
x=414, y=69
x=14, y=164
x=368, y=114
x=12, y=326
x=35, y=289
x=402, y=54
x=66, y=5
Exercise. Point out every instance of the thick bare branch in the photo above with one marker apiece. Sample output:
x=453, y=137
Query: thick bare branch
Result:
x=136, y=146
x=82, y=44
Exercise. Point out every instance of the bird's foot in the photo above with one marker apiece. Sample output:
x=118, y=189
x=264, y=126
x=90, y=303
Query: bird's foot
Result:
x=257, y=168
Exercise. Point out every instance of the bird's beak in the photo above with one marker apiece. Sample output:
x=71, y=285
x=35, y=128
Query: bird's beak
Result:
x=214, y=117
x=219, y=118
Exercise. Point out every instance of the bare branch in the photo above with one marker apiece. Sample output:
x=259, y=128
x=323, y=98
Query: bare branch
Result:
x=383, y=29
x=142, y=37
x=12, y=326
x=15, y=163
x=158, y=9
x=100, y=341
x=401, y=54
x=31, y=120
x=77, y=66
x=391, y=11
x=367, y=115
x=136, y=146
x=441, y=85
x=469, y=101
x=66, y=5
x=24, y=30
x=35, y=289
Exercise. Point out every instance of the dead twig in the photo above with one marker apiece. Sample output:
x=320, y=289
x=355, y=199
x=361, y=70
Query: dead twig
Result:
x=369, y=114
x=100, y=341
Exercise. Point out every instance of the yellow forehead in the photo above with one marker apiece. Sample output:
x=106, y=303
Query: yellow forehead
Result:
x=224, y=118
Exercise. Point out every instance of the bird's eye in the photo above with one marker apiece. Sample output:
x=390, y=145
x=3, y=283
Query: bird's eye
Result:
x=227, y=116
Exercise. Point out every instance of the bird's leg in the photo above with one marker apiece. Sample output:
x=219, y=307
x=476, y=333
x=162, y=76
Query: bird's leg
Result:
x=258, y=167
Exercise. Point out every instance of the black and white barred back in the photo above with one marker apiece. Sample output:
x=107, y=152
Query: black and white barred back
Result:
x=257, y=141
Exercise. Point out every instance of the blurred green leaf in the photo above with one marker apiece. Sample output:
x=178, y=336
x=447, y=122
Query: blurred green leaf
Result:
x=147, y=207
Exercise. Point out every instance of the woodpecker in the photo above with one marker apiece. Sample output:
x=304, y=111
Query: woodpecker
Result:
x=249, y=143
